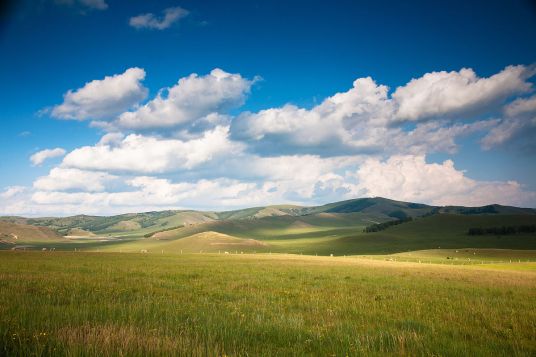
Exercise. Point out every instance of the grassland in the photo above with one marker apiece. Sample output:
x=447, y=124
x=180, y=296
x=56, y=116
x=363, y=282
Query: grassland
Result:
x=423, y=287
x=338, y=235
x=58, y=303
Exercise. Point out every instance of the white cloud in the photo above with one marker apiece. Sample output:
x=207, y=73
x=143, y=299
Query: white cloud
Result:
x=446, y=93
x=298, y=177
x=521, y=106
x=192, y=98
x=410, y=178
x=434, y=136
x=151, y=193
x=501, y=133
x=102, y=99
x=517, y=128
x=348, y=120
x=92, y=4
x=183, y=149
x=239, y=181
x=150, y=21
x=41, y=156
x=287, y=179
x=357, y=121
x=95, y=4
x=148, y=154
x=63, y=179
x=12, y=191
x=111, y=139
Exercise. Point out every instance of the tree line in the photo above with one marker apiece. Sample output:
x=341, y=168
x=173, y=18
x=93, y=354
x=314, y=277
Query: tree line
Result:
x=381, y=226
x=504, y=230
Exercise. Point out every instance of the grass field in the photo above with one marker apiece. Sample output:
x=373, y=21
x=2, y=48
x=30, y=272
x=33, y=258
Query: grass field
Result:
x=216, y=284
x=339, y=235
x=58, y=303
x=318, y=234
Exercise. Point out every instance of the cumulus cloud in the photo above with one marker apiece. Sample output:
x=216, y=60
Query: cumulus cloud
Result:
x=41, y=156
x=296, y=178
x=63, y=179
x=12, y=191
x=517, y=128
x=435, y=136
x=193, y=98
x=149, y=154
x=313, y=178
x=521, y=106
x=410, y=178
x=447, y=93
x=185, y=149
x=103, y=98
x=152, y=193
x=357, y=121
x=502, y=133
x=151, y=21
x=339, y=122
x=407, y=178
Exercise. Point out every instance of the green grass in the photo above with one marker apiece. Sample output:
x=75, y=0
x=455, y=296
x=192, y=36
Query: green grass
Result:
x=506, y=258
x=438, y=232
x=381, y=299
x=57, y=303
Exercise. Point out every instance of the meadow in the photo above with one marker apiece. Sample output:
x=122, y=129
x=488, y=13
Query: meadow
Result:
x=275, y=281
x=80, y=303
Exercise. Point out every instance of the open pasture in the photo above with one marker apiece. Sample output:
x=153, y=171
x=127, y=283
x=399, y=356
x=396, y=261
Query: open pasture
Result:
x=59, y=303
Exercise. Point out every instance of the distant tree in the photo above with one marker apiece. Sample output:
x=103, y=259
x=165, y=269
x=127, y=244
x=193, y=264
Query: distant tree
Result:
x=381, y=226
x=503, y=230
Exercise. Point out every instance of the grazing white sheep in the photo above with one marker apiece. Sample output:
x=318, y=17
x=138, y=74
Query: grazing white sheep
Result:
x=226, y=252
x=143, y=251
x=43, y=249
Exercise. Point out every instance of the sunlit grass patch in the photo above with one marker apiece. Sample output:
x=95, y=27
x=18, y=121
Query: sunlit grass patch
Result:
x=259, y=304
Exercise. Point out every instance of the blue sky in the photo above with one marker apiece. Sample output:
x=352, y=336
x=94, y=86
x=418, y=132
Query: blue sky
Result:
x=267, y=127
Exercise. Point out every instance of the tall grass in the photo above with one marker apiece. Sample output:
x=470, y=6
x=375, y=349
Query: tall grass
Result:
x=57, y=303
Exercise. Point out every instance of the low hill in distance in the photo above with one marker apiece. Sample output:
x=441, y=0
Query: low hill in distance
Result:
x=14, y=234
x=213, y=242
x=375, y=209
x=335, y=228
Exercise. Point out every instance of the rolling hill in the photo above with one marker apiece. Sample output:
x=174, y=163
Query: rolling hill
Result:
x=15, y=234
x=213, y=242
x=335, y=228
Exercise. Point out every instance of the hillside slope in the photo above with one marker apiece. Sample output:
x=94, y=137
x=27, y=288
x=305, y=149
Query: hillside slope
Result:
x=265, y=223
x=213, y=242
x=440, y=231
x=17, y=233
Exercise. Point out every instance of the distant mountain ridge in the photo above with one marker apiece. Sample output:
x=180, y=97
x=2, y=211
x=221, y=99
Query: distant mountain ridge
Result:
x=377, y=209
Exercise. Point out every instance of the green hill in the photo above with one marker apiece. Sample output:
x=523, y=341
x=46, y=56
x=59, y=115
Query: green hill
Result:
x=213, y=242
x=439, y=231
x=377, y=205
x=336, y=228
x=139, y=224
